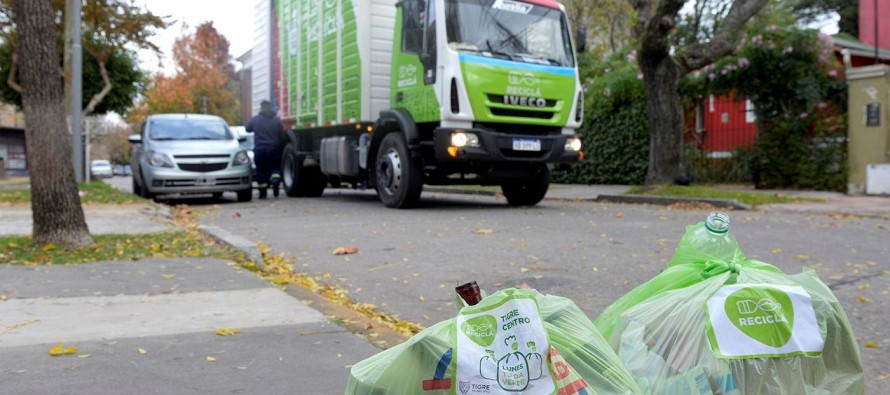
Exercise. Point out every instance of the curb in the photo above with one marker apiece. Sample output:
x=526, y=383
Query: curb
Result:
x=223, y=236
x=635, y=199
x=666, y=201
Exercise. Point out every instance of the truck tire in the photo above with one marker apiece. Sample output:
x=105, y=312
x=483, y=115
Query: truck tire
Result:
x=299, y=180
x=399, y=176
x=528, y=191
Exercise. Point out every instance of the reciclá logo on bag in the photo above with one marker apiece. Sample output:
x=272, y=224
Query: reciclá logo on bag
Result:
x=763, y=320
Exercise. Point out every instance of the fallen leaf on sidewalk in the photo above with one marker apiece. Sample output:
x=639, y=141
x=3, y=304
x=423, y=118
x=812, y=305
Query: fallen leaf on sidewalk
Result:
x=142, y=351
x=168, y=276
x=483, y=231
x=862, y=299
x=3, y=298
x=84, y=356
x=872, y=345
x=211, y=359
x=777, y=250
x=59, y=349
x=345, y=250
x=227, y=331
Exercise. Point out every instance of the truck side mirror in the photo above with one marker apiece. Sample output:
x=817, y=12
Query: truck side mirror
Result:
x=135, y=138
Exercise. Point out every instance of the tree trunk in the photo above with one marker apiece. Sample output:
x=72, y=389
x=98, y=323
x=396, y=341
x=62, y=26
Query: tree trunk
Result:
x=55, y=203
x=662, y=80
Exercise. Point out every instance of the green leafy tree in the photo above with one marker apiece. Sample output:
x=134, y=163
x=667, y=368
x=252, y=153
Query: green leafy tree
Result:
x=110, y=28
x=815, y=10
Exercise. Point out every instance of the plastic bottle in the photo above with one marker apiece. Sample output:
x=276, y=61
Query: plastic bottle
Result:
x=708, y=240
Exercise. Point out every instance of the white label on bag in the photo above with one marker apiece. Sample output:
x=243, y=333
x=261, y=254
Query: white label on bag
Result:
x=503, y=350
x=763, y=320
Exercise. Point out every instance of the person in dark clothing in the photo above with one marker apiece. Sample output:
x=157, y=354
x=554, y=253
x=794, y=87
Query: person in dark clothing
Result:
x=269, y=140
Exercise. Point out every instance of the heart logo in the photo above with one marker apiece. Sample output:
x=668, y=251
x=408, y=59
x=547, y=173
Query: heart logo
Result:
x=765, y=314
x=481, y=330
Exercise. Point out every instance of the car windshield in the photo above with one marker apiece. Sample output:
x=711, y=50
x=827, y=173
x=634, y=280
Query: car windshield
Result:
x=188, y=129
x=511, y=30
x=101, y=163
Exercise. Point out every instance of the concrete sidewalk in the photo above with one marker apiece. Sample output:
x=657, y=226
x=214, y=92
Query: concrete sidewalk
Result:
x=149, y=326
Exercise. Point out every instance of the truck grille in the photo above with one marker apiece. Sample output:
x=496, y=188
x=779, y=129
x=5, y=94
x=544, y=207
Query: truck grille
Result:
x=203, y=167
x=504, y=112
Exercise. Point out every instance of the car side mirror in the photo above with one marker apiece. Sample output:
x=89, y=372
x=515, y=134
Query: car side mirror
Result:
x=135, y=138
x=242, y=139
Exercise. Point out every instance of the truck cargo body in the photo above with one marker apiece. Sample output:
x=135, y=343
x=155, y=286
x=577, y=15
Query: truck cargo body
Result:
x=477, y=92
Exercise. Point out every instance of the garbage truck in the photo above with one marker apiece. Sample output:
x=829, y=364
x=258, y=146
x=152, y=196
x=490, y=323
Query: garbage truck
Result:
x=393, y=95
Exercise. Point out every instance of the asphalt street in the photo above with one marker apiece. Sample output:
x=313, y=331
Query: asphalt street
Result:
x=409, y=261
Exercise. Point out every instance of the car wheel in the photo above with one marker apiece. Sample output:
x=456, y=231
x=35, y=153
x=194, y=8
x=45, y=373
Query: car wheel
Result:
x=136, y=189
x=528, y=191
x=399, y=176
x=145, y=193
x=244, y=195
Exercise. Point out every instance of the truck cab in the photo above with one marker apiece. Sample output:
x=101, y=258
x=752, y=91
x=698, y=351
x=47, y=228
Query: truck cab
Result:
x=481, y=92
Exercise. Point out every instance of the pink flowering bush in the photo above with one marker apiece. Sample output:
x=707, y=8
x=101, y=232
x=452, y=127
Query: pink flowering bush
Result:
x=799, y=94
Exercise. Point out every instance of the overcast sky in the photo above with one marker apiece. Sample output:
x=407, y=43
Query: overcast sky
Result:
x=231, y=18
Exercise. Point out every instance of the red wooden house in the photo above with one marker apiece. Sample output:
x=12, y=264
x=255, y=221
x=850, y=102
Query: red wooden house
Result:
x=725, y=123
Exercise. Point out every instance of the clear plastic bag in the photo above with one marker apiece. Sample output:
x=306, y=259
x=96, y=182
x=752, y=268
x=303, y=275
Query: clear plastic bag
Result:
x=578, y=359
x=718, y=323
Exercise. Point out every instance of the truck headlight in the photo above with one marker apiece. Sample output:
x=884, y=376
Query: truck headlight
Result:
x=464, y=139
x=573, y=144
x=241, y=158
x=158, y=159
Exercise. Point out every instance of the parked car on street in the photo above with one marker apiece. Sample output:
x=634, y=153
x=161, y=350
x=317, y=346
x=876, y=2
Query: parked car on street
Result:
x=189, y=154
x=100, y=168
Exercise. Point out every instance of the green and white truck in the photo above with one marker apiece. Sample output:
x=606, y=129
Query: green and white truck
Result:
x=397, y=94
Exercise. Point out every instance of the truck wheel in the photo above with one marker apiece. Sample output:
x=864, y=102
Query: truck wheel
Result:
x=528, y=191
x=299, y=180
x=399, y=176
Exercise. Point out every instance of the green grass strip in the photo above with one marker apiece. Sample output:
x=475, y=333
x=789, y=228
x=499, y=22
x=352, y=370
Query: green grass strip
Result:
x=19, y=250
x=751, y=198
x=94, y=192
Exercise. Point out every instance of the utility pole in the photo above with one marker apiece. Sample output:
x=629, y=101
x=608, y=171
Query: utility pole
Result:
x=203, y=104
x=76, y=91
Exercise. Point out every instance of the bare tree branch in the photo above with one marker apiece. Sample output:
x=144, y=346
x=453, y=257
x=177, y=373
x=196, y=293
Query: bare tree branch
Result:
x=10, y=80
x=97, y=98
x=699, y=55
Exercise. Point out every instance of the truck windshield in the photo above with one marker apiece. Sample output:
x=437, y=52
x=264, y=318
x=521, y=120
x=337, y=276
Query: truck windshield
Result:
x=509, y=29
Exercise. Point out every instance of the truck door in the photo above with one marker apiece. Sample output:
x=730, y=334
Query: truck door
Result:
x=414, y=60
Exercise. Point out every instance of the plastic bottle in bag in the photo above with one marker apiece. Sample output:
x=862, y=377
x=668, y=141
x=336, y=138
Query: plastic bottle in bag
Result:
x=708, y=240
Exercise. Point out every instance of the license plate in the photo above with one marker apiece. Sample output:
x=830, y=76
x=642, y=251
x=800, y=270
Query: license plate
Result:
x=526, y=145
x=205, y=182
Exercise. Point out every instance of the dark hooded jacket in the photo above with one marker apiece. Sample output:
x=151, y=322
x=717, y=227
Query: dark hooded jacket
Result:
x=267, y=131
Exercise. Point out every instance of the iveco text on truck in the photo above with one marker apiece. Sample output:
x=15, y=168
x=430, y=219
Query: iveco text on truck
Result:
x=440, y=92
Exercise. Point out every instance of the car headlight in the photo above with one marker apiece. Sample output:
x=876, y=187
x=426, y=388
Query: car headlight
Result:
x=158, y=159
x=241, y=158
x=573, y=144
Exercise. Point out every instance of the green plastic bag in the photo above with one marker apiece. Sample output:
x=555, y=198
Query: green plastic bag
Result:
x=514, y=341
x=711, y=326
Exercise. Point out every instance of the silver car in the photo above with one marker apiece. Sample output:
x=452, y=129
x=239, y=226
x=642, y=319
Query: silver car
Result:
x=189, y=154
